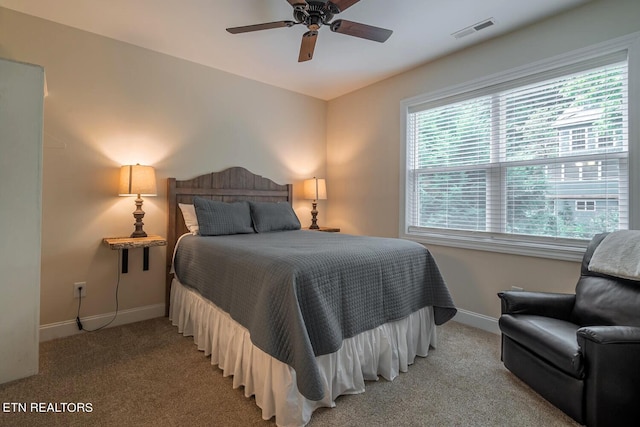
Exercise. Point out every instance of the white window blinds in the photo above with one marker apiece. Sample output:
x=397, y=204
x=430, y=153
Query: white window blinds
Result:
x=545, y=155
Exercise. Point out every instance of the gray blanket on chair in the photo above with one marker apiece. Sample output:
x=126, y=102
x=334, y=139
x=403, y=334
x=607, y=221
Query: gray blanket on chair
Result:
x=301, y=293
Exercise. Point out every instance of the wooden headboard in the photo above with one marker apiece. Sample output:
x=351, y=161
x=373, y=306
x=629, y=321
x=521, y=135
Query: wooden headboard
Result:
x=229, y=185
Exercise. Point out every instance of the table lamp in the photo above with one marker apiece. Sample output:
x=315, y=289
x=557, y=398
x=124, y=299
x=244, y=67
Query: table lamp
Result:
x=138, y=180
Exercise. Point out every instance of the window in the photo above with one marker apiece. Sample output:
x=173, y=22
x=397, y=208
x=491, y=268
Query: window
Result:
x=585, y=205
x=539, y=160
x=578, y=139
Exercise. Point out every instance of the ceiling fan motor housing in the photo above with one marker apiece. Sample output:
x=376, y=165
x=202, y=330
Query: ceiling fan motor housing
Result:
x=315, y=15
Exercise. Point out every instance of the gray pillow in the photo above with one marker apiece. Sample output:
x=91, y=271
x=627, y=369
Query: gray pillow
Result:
x=219, y=218
x=273, y=217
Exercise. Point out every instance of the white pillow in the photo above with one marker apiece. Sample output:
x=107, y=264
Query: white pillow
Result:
x=190, y=218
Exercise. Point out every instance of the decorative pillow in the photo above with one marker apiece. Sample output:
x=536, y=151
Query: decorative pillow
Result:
x=219, y=218
x=190, y=218
x=273, y=217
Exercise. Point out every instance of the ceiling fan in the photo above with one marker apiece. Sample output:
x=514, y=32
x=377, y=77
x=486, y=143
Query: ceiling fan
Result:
x=314, y=14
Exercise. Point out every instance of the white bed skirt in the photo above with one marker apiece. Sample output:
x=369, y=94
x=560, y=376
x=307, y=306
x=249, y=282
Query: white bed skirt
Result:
x=385, y=351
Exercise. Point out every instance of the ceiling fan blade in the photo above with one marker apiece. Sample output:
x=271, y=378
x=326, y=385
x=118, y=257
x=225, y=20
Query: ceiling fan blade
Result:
x=337, y=6
x=364, y=31
x=299, y=4
x=258, y=27
x=307, y=46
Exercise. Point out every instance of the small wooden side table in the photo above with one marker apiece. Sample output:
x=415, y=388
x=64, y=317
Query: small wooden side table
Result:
x=328, y=229
x=126, y=243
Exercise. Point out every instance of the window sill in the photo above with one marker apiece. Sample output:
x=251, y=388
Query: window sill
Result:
x=570, y=250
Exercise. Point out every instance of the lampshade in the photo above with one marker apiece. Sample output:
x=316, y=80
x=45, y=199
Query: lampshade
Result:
x=315, y=189
x=137, y=179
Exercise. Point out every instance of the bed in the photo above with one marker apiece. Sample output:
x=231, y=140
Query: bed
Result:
x=297, y=317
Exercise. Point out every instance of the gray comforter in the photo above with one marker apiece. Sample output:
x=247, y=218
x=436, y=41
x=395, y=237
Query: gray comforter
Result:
x=300, y=293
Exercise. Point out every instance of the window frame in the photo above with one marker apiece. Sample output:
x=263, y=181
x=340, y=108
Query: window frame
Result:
x=544, y=247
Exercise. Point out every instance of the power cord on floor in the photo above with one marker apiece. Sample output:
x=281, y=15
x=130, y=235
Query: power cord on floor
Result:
x=79, y=322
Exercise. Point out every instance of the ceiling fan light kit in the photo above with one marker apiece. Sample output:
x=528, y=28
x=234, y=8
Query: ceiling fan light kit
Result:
x=314, y=14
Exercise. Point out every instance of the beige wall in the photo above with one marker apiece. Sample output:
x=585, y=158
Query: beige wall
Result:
x=363, y=146
x=111, y=103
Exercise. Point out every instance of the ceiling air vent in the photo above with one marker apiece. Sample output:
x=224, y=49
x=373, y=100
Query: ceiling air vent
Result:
x=474, y=28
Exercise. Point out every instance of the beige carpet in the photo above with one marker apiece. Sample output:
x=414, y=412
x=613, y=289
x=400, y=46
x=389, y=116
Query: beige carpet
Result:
x=146, y=374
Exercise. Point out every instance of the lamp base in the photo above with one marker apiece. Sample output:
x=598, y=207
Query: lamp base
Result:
x=138, y=214
x=139, y=233
x=314, y=217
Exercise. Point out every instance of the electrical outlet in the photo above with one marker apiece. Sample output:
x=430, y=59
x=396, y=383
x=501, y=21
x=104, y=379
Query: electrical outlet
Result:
x=77, y=287
x=513, y=288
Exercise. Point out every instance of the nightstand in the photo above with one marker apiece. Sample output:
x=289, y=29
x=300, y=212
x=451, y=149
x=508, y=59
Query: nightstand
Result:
x=126, y=243
x=327, y=229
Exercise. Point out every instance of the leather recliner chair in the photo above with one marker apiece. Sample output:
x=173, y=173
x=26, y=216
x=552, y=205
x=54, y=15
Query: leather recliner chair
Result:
x=580, y=352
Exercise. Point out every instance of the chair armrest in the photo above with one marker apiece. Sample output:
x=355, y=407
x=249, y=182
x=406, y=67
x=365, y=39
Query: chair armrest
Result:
x=610, y=334
x=558, y=306
x=611, y=355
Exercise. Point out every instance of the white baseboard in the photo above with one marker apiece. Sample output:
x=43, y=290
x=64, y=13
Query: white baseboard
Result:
x=69, y=327
x=477, y=320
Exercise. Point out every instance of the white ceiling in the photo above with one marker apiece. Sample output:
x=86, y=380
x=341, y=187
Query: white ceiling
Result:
x=195, y=30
